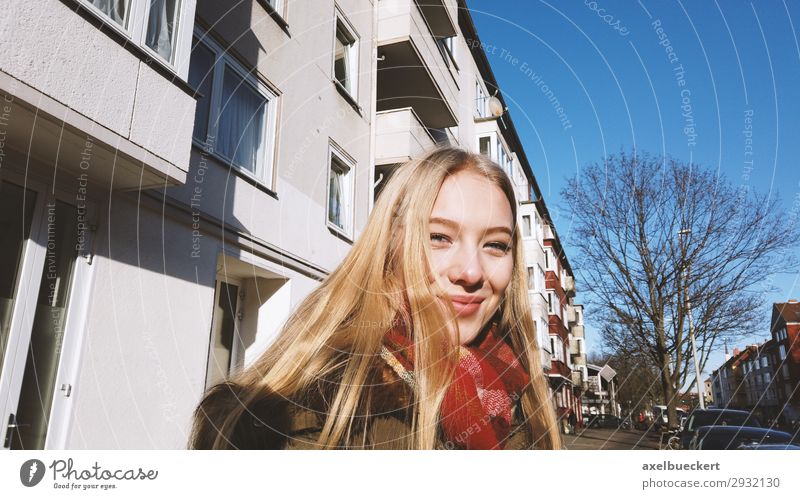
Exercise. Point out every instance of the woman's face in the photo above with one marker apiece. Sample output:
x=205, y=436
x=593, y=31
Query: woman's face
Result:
x=472, y=259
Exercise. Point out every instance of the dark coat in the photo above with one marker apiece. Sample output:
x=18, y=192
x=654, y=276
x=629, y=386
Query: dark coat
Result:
x=277, y=423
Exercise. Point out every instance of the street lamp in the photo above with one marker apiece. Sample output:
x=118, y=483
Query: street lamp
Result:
x=688, y=305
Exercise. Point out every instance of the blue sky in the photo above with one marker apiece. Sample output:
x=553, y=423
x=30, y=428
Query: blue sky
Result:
x=618, y=85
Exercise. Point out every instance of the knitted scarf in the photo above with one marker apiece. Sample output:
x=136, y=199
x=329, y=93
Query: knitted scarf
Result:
x=477, y=409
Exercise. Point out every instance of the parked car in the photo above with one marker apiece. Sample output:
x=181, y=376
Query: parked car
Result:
x=608, y=421
x=769, y=447
x=718, y=417
x=660, y=416
x=732, y=437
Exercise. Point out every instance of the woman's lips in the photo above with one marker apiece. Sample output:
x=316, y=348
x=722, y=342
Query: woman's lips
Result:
x=464, y=309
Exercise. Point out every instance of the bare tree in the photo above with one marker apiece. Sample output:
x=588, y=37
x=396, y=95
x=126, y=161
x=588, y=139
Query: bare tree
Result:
x=655, y=235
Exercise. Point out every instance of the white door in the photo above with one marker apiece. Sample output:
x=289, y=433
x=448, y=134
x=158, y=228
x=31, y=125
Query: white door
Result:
x=45, y=256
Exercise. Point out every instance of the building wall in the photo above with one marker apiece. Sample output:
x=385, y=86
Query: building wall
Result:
x=59, y=53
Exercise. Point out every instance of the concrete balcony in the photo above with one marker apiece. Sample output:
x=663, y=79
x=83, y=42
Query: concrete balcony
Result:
x=569, y=286
x=400, y=136
x=441, y=15
x=77, y=98
x=412, y=71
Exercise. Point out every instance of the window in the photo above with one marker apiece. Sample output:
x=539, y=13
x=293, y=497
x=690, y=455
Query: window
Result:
x=447, y=46
x=162, y=24
x=526, y=226
x=531, y=278
x=345, y=56
x=550, y=303
x=340, y=192
x=549, y=263
x=116, y=10
x=275, y=4
x=763, y=361
x=480, y=100
x=485, y=146
x=502, y=157
x=557, y=345
x=782, y=350
x=155, y=25
x=537, y=224
x=540, y=280
x=236, y=109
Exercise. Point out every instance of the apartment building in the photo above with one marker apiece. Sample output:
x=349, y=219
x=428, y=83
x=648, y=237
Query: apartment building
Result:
x=560, y=289
x=600, y=396
x=176, y=177
x=577, y=352
x=763, y=378
x=785, y=330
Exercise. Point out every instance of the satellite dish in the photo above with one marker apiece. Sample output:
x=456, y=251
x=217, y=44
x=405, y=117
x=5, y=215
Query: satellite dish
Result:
x=495, y=107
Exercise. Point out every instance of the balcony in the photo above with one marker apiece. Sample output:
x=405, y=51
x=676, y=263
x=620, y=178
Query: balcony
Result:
x=412, y=71
x=569, y=286
x=51, y=133
x=400, y=136
x=93, y=105
x=440, y=15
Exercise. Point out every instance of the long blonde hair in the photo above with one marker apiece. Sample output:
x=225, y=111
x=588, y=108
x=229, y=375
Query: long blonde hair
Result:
x=336, y=332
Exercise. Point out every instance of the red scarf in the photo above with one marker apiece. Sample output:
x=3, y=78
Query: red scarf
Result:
x=477, y=409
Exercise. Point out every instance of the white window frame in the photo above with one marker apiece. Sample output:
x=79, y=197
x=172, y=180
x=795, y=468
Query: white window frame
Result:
x=549, y=259
x=481, y=99
x=334, y=151
x=531, y=278
x=353, y=56
x=526, y=219
x=222, y=61
x=540, y=284
x=136, y=31
x=451, y=46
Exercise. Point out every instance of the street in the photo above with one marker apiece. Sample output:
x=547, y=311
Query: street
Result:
x=601, y=438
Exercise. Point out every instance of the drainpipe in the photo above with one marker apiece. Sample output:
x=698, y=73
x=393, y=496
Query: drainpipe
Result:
x=373, y=104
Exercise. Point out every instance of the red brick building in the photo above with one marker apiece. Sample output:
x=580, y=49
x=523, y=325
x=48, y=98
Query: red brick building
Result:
x=785, y=328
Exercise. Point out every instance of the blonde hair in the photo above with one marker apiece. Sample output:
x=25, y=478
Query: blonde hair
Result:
x=334, y=336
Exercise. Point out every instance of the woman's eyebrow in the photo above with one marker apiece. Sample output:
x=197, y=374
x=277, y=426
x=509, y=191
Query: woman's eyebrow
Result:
x=454, y=225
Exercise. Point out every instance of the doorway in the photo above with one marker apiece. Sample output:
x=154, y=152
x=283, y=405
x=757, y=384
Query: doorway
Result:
x=43, y=242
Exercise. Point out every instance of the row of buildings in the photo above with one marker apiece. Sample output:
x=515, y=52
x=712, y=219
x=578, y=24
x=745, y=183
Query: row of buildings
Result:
x=175, y=177
x=764, y=378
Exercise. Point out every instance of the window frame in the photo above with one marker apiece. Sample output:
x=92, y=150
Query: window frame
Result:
x=353, y=61
x=527, y=224
x=223, y=61
x=481, y=100
x=334, y=150
x=135, y=30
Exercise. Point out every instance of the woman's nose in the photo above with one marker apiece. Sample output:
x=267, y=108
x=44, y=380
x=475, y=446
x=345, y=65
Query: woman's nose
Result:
x=465, y=266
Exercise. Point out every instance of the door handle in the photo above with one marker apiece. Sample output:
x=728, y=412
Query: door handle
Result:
x=12, y=425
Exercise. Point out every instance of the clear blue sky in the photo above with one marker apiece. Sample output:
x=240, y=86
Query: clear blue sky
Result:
x=617, y=85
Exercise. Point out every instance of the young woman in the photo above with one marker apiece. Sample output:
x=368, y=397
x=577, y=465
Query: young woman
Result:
x=422, y=338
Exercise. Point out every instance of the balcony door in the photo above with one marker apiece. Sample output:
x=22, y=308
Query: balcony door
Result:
x=44, y=261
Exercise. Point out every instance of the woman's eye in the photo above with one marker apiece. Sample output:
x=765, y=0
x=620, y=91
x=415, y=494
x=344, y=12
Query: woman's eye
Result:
x=439, y=238
x=500, y=246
